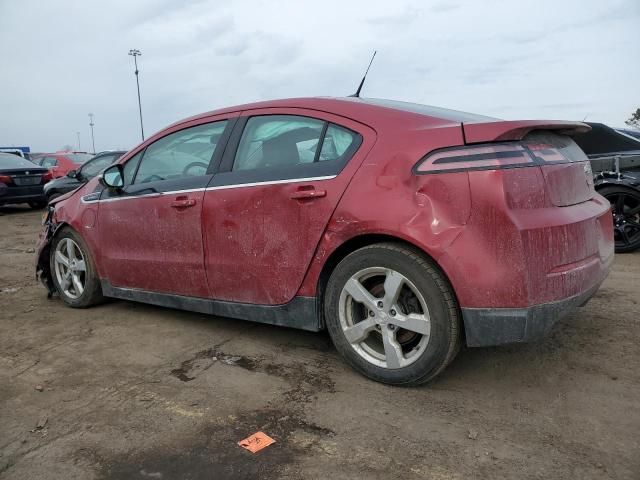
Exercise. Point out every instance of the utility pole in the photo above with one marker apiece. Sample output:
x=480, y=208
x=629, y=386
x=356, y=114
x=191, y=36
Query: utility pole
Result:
x=93, y=142
x=78, y=133
x=135, y=54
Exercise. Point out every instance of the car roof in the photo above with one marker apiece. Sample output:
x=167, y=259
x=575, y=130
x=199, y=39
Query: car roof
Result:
x=371, y=111
x=109, y=152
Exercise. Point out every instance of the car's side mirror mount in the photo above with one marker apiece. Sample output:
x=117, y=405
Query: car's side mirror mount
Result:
x=113, y=177
x=72, y=174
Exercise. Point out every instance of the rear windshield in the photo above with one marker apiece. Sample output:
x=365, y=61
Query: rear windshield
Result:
x=8, y=160
x=436, y=112
x=551, y=147
x=78, y=158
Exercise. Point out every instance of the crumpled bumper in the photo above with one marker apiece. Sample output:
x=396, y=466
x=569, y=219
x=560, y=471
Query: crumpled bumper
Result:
x=43, y=270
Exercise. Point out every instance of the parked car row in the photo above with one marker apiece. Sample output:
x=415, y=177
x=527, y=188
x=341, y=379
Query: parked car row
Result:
x=47, y=176
x=74, y=178
x=61, y=163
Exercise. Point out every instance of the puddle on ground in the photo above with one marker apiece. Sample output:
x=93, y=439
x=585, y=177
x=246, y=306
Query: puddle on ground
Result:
x=204, y=359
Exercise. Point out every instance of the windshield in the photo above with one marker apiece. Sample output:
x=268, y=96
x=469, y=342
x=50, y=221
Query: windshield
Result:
x=8, y=160
x=97, y=164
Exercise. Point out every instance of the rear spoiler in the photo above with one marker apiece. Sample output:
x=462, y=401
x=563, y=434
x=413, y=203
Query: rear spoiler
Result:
x=501, y=131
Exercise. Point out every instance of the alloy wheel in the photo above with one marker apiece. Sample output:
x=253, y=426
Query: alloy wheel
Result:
x=384, y=317
x=70, y=268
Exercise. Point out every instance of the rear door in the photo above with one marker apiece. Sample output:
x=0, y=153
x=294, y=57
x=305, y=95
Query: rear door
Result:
x=265, y=211
x=151, y=235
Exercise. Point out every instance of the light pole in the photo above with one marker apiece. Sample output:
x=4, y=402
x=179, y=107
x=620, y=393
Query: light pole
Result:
x=135, y=53
x=93, y=142
x=78, y=133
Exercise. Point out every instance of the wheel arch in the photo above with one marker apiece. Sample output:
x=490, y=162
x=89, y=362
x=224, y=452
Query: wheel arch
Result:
x=364, y=240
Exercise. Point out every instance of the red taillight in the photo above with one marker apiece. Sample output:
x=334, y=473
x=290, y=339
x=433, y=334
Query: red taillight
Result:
x=492, y=156
x=480, y=157
x=6, y=179
x=47, y=177
x=547, y=153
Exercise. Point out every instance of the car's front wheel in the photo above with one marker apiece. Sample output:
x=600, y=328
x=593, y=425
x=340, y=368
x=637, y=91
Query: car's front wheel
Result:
x=392, y=314
x=73, y=271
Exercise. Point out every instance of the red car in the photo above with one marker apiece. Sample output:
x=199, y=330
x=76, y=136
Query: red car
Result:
x=61, y=163
x=405, y=230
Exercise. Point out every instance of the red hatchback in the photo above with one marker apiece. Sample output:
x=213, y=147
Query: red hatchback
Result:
x=403, y=229
x=61, y=163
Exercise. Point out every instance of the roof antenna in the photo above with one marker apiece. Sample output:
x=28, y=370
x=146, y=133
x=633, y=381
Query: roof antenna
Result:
x=357, y=94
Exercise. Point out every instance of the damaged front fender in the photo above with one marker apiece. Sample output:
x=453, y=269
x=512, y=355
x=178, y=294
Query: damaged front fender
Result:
x=43, y=251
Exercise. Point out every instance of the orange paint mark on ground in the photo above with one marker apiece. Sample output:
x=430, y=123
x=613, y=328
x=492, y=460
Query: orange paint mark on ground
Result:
x=256, y=442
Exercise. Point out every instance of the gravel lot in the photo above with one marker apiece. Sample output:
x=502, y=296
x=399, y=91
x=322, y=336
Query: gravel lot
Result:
x=127, y=390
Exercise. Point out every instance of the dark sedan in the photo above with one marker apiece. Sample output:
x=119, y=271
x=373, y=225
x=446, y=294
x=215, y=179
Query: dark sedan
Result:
x=22, y=181
x=82, y=175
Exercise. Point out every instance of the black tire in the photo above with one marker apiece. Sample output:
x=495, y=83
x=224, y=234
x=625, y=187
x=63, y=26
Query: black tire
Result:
x=445, y=336
x=37, y=205
x=626, y=223
x=92, y=294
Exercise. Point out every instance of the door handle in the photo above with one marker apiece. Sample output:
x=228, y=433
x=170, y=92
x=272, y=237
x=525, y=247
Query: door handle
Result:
x=308, y=193
x=183, y=202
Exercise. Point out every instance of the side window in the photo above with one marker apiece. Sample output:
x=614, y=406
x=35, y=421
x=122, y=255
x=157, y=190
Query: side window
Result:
x=49, y=162
x=181, y=154
x=130, y=168
x=337, y=142
x=278, y=141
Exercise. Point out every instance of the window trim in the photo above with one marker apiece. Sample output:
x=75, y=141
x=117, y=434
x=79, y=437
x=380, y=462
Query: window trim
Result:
x=226, y=176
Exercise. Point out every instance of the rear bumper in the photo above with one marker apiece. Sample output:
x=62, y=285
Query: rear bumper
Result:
x=496, y=326
x=22, y=194
x=22, y=199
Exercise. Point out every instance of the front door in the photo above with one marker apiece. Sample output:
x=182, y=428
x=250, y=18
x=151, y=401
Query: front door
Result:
x=281, y=178
x=151, y=231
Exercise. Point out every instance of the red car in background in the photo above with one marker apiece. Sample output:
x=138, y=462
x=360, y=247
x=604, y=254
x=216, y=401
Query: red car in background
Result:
x=404, y=230
x=60, y=163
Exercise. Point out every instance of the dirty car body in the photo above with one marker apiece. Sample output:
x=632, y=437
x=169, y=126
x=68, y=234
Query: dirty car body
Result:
x=258, y=212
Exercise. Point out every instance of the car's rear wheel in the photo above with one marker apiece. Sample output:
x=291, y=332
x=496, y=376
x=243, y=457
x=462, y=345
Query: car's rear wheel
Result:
x=392, y=315
x=625, y=204
x=73, y=271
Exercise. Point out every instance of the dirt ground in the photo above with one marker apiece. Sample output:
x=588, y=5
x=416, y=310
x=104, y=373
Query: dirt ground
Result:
x=126, y=391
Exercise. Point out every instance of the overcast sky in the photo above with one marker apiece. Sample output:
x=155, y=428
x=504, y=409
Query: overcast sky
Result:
x=552, y=59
